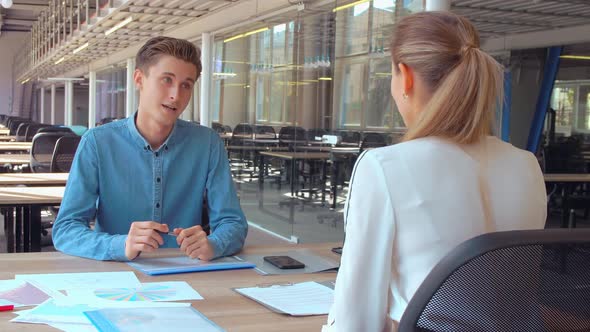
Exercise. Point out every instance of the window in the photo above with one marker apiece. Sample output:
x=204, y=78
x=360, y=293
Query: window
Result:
x=571, y=102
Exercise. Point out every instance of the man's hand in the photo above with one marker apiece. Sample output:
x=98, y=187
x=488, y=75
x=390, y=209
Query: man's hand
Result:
x=194, y=243
x=144, y=236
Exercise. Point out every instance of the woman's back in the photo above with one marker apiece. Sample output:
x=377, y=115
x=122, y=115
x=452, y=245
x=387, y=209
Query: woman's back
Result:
x=434, y=187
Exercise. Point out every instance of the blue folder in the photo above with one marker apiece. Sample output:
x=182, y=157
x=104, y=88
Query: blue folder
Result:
x=184, y=264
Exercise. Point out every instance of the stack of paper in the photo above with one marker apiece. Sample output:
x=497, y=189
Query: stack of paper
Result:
x=61, y=300
x=302, y=299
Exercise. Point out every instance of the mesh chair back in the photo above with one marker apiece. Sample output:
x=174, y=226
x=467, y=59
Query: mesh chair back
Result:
x=42, y=151
x=14, y=124
x=32, y=131
x=21, y=131
x=535, y=280
x=353, y=137
x=63, y=155
x=218, y=127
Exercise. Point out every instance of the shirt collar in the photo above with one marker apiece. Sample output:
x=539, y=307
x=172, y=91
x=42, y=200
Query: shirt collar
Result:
x=140, y=140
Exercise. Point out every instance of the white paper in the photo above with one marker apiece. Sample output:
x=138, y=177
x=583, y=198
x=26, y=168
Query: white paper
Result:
x=70, y=312
x=302, y=299
x=22, y=293
x=74, y=327
x=148, y=292
x=64, y=281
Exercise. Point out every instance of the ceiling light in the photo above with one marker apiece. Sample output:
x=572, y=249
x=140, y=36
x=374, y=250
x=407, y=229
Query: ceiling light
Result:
x=80, y=48
x=119, y=26
x=60, y=61
x=325, y=78
x=575, y=57
x=245, y=34
x=349, y=5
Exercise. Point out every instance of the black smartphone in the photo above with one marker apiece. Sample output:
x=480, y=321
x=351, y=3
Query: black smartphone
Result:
x=284, y=262
x=337, y=250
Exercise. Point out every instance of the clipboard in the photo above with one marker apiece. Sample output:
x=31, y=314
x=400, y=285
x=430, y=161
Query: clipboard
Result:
x=321, y=308
x=183, y=264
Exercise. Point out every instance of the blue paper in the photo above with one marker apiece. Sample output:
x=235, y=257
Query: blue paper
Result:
x=183, y=264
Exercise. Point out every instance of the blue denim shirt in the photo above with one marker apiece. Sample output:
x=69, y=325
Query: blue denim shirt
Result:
x=117, y=178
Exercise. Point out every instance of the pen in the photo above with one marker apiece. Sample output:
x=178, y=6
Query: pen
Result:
x=6, y=307
x=169, y=233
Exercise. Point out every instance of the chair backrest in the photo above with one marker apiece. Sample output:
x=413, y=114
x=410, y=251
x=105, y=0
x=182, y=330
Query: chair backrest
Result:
x=218, y=127
x=264, y=131
x=63, y=155
x=14, y=124
x=42, y=151
x=350, y=136
x=32, y=131
x=535, y=280
x=241, y=132
x=55, y=129
x=292, y=133
x=21, y=131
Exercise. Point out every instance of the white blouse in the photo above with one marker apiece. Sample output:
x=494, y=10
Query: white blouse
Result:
x=410, y=204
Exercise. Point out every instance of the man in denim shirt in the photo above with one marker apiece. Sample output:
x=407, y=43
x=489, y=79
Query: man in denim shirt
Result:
x=147, y=176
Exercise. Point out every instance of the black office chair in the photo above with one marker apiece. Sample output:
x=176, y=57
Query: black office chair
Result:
x=535, y=280
x=32, y=130
x=42, y=151
x=21, y=131
x=55, y=129
x=63, y=154
x=265, y=132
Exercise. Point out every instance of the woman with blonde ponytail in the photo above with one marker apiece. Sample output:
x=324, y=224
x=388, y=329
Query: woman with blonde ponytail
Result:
x=449, y=180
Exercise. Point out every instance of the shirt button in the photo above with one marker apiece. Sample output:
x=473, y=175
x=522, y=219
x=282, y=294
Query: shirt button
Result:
x=158, y=179
x=158, y=205
x=157, y=154
x=166, y=148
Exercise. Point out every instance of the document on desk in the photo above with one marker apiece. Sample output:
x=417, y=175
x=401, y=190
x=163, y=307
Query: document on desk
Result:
x=154, y=319
x=302, y=299
x=181, y=264
x=65, y=281
x=21, y=293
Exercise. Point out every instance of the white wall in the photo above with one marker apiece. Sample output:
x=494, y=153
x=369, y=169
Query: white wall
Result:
x=10, y=42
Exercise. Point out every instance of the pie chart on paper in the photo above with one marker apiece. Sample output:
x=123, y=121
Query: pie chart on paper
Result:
x=148, y=293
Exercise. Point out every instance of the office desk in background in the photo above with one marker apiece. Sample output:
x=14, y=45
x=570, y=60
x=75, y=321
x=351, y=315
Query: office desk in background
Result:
x=228, y=309
x=568, y=183
x=34, y=179
x=27, y=202
x=14, y=159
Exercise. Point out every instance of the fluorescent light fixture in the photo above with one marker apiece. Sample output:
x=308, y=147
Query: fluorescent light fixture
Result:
x=60, y=60
x=245, y=34
x=233, y=38
x=119, y=26
x=25, y=81
x=576, y=57
x=256, y=31
x=352, y=4
x=80, y=48
x=226, y=74
x=325, y=78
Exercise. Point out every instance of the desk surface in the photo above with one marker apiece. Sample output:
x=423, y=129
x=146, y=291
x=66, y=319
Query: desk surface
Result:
x=9, y=179
x=566, y=177
x=7, y=138
x=31, y=195
x=228, y=309
x=297, y=155
x=4, y=131
x=14, y=159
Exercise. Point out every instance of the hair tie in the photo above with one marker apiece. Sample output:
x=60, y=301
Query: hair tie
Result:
x=466, y=48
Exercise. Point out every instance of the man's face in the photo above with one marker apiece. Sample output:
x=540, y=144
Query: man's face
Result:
x=165, y=89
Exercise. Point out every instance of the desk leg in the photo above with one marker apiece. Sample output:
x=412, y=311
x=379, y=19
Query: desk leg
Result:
x=35, y=220
x=324, y=179
x=334, y=183
x=9, y=227
x=18, y=229
x=26, y=230
x=293, y=175
x=261, y=167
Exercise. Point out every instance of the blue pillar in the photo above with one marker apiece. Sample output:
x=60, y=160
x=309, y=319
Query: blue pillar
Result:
x=549, y=75
x=506, y=106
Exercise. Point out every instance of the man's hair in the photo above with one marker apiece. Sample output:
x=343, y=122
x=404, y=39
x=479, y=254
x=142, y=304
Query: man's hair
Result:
x=154, y=48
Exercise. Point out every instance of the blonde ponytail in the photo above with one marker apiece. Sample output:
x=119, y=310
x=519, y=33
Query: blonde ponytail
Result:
x=466, y=83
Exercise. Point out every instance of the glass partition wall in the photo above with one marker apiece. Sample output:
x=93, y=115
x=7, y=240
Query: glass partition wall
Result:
x=279, y=88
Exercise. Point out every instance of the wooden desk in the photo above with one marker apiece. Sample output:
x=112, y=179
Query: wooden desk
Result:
x=27, y=201
x=7, y=138
x=4, y=131
x=15, y=147
x=567, y=183
x=225, y=307
x=34, y=179
x=17, y=159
